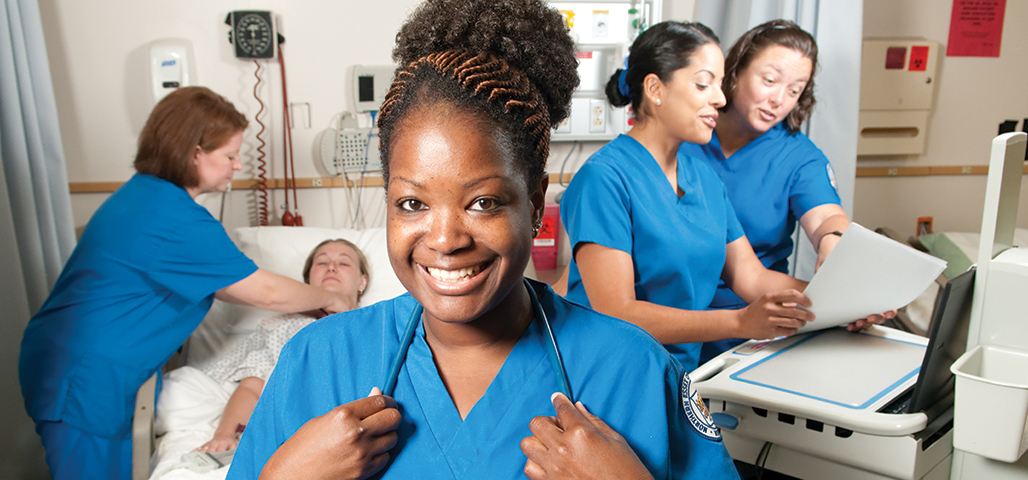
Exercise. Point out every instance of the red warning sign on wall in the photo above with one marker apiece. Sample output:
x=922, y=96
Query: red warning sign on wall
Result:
x=976, y=28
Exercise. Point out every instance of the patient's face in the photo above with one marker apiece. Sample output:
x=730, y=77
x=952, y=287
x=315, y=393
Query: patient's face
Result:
x=336, y=268
x=459, y=214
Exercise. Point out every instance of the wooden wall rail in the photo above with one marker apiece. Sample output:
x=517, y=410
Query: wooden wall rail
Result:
x=376, y=181
x=275, y=183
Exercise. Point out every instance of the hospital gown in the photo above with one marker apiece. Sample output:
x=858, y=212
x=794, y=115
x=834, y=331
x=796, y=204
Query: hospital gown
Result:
x=257, y=354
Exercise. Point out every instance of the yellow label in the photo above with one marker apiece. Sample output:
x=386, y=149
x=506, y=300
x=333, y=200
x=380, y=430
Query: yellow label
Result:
x=569, y=17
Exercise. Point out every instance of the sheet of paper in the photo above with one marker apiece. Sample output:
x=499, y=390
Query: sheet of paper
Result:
x=867, y=273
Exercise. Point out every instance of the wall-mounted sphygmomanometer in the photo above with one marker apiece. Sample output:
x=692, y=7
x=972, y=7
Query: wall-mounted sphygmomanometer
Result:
x=253, y=33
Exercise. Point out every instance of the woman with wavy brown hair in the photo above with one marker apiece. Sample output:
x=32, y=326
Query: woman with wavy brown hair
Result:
x=774, y=175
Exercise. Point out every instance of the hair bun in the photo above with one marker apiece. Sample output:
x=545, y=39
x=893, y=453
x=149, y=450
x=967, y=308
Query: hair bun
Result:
x=528, y=34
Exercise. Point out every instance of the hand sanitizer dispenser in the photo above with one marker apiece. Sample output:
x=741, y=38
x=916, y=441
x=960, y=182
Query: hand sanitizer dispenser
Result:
x=171, y=66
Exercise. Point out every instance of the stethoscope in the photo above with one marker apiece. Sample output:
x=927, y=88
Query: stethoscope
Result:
x=537, y=308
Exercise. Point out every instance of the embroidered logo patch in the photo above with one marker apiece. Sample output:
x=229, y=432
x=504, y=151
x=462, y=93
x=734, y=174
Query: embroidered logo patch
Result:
x=831, y=176
x=696, y=411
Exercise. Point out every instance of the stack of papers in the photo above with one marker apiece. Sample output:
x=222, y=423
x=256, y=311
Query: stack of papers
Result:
x=867, y=274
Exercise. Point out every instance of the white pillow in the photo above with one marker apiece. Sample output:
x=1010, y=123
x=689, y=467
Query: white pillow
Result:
x=283, y=250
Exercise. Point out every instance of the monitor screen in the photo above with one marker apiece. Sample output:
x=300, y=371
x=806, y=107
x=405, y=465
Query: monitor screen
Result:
x=947, y=341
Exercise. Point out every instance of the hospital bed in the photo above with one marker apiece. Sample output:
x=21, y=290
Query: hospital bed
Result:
x=190, y=403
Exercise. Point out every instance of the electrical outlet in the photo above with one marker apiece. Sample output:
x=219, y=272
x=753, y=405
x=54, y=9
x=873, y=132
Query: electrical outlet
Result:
x=597, y=116
x=564, y=126
x=315, y=182
x=924, y=225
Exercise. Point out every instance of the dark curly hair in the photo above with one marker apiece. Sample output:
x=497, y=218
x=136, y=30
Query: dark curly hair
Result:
x=776, y=32
x=511, y=63
x=661, y=50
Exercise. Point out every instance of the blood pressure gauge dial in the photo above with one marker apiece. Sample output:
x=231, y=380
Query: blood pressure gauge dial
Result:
x=253, y=33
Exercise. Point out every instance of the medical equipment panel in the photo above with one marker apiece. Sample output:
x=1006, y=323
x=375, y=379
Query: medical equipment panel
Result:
x=370, y=84
x=603, y=31
x=350, y=148
x=818, y=400
x=990, y=425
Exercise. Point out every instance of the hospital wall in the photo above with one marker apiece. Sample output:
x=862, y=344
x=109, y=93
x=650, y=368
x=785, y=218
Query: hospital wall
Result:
x=973, y=95
x=98, y=55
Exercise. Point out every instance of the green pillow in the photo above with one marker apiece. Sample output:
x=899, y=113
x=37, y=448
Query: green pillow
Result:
x=940, y=246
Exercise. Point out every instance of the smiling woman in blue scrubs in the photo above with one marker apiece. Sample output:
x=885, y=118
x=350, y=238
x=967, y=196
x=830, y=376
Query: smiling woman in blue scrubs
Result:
x=470, y=359
x=773, y=173
x=652, y=231
x=146, y=270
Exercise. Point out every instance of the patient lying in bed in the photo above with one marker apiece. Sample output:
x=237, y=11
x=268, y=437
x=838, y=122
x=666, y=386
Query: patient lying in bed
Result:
x=335, y=265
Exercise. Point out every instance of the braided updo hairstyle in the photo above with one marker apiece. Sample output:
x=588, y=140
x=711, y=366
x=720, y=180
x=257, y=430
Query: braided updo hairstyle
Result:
x=511, y=63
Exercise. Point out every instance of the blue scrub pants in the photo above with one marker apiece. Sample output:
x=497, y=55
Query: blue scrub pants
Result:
x=75, y=454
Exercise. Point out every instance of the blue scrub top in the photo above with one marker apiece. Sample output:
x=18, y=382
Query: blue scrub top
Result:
x=621, y=199
x=617, y=370
x=141, y=278
x=772, y=182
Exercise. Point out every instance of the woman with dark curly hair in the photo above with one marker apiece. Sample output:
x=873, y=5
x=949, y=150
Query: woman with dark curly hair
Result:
x=463, y=369
x=774, y=174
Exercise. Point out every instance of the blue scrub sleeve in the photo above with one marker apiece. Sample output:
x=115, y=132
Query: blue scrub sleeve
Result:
x=697, y=450
x=596, y=208
x=195, y=261
x=734, y=230
x=813, y=185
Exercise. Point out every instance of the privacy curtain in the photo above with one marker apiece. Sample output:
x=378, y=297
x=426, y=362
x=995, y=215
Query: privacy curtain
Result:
x=33, y=159
x=838, y=28
x=36, y=227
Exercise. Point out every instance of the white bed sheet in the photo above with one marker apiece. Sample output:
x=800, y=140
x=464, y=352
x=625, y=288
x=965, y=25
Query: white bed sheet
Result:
x=187, y=413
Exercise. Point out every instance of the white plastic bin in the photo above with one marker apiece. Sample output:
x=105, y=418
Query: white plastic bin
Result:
x=991, y=402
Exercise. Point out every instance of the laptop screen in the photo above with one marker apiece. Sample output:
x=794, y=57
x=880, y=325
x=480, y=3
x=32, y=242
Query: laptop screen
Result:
x=947, y=340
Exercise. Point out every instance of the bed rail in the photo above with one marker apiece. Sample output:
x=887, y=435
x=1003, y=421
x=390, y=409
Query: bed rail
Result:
x=142, y=429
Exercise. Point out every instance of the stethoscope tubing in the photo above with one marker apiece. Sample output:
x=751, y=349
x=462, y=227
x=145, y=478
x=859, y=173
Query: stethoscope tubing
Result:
x=556, y=362
x=401, y=355
x=554, y=353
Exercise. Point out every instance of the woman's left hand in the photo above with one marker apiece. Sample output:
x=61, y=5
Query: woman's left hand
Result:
x=577, y=445
x=865, y=323
x=219, y=444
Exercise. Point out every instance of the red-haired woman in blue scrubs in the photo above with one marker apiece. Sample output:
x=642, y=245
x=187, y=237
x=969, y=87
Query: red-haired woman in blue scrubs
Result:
x=142, y=277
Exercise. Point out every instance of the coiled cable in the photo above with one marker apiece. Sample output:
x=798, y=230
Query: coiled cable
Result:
x=262, y=166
